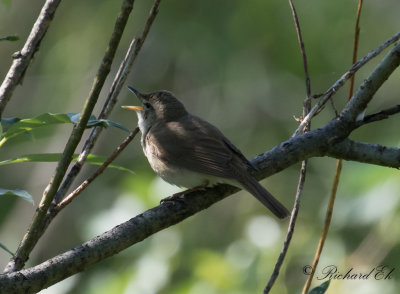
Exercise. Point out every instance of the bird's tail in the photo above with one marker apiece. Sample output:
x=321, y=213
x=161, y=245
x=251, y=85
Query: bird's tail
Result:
x=251, y=185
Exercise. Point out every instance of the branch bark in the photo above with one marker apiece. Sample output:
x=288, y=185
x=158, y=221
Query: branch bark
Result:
x=125, y=67
x=329, y=140
x=23, y=58
x=167, y=214
x=340, y=82
x=366, y=153
x=34, y=231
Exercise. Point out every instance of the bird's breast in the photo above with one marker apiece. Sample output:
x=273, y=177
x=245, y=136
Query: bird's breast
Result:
x=171, y=173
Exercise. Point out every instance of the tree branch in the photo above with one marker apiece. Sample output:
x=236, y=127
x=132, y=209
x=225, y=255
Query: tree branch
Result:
x=34, y=231
x=120, y=78
x=23, y=58
x=319, y=142
x=340, y=82
x=304, y=164
x=366, y=153
x=68, y=199
x=294, y=150
x=383, y=114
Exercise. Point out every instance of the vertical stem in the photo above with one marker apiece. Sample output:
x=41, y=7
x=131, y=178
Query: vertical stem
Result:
x=339, y=163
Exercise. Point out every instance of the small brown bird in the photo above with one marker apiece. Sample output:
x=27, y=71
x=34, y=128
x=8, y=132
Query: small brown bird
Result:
x=187, y=151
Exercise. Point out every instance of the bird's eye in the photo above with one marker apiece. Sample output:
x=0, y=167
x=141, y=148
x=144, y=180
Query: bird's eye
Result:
x=147, y=105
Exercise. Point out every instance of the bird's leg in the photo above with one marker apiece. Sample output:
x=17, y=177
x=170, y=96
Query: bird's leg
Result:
x=179, y=196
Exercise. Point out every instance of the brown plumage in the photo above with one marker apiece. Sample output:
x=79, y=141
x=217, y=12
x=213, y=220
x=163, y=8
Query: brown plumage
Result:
x=187, y=151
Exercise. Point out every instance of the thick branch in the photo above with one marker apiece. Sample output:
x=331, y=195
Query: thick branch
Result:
x=319, y=142
x=366, y=153
x=358, y=103
x=111, y=100
x=120, y=237
x=314, y=143
x=339, y=83
x=34, y=232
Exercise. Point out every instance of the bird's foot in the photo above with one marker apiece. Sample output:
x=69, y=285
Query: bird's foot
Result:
x=179, y=197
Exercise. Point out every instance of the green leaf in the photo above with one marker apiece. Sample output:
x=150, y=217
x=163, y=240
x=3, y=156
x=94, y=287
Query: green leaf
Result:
x=94, y=122
x=20, y=126
x=6, y=249
x=54, y=157
x=107, y=123
x=10, y=121
x=9, y=38
x=321, y=289
x=17, y=192
x=26, y=125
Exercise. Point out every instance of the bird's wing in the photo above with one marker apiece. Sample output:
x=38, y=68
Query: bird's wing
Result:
x=198, y=146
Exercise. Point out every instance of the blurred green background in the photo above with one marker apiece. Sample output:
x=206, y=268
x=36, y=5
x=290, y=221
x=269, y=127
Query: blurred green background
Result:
x=236, y=64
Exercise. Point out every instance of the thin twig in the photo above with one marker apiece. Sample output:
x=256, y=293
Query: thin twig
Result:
x=303, y=170
x=340, y=82
x=120, y=78
x=290, y=231
x=325, y=230
x=339, y=164
x=383, y=114
x=98, y=172
x=152, y=15
x=311, y=144
x=355, y=46
x=35, y=230
x=23, y=58
x=111, y=100
x=333, y=107
x=302, y=48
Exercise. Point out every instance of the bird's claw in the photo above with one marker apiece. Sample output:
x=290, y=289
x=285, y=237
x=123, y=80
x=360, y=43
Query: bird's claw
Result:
x=180, y=196
x=177, y=197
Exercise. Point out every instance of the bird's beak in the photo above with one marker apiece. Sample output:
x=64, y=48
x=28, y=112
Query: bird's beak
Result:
x=138, y=94
x=141, y=98
x=135, y=108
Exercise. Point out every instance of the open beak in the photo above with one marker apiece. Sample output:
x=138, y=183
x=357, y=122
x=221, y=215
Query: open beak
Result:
x=136, y=92
x=140, y=96
x=135, y=108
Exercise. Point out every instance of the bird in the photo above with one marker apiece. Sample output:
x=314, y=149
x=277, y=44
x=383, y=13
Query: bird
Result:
x=187, y=151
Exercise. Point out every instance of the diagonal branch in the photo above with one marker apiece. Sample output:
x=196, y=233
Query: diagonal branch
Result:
x=340, y=82
x=338, y=170
x=34, y=231
x=303, y=169
x=120, y=78
x=23, y=58
x=98, y=172
x=358, y=103
x=383, y=114
x=313, y=143
x=317, y=142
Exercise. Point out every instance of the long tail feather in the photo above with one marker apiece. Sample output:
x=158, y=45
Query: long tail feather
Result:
x=251, y=185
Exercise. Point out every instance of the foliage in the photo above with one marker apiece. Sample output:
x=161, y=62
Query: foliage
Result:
x=55, y=157
x=17, y=192
x=9, y=38
x=321, y=289
x=238, y=66
x=18, y=126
